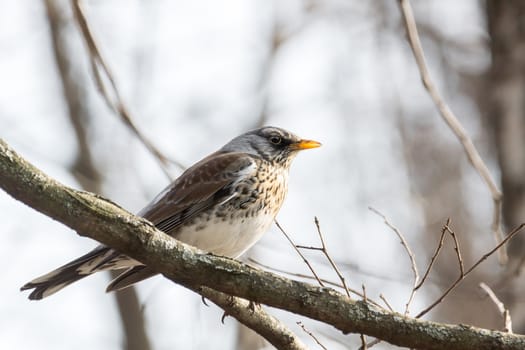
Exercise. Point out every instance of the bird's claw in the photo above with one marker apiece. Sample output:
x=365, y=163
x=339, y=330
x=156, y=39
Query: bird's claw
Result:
x=224, y=315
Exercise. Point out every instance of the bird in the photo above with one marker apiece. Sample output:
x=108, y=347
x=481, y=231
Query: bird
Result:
x=223, y=205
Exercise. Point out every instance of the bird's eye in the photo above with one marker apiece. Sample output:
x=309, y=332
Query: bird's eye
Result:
x=275, y=139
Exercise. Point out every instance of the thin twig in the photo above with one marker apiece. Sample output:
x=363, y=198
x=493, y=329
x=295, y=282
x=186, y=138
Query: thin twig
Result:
x=327, y=255
x=300, y=254
x=369, y=345
x=454, y=124
x=382, y=297
x=404, y=243
x=435, y=255
x=332, y=263
x=299, y=323
x=456, y=249
x=100, y=69
x=322, y=249
x=309, y=247
x=505, y=313
x=364, y=345
x=467, y=272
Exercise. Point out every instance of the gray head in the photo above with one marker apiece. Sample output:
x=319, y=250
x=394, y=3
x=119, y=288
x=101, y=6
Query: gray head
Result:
x=273, y=144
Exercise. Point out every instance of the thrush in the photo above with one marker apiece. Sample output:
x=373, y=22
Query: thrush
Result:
x=223, y=205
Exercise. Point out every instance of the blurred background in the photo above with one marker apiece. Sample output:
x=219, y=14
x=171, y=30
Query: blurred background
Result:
x=194, y=74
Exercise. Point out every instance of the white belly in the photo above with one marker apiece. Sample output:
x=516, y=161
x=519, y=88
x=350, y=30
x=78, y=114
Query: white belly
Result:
x=227, y=238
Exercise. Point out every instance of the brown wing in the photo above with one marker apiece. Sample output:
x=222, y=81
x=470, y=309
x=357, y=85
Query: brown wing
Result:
x=203, y=185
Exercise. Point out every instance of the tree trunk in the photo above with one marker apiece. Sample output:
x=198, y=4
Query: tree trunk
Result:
x=506, y=112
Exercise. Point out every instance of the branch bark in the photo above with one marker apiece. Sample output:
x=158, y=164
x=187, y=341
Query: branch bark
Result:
x=104, y=221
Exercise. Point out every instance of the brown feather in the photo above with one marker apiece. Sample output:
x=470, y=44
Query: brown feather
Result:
x=198, y=188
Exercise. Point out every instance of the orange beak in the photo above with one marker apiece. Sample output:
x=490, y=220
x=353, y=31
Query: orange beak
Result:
x=305, y=144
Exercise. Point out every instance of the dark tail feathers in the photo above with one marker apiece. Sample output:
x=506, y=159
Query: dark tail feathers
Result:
x=101, y=258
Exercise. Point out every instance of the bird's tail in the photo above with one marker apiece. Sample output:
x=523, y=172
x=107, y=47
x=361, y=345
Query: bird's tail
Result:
x=99, y=259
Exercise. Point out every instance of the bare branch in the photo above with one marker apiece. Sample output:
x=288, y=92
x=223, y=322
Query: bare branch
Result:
x=463, y=276
x=327, y=255
x=332, y=263
x=435, y=255
x=299, y=323
x=454, y=124
x=267, y=326
x=505, y=313
x=364, y=345
x=100, y=68
x=456, y=249
x=382, y=297
x=370, y=344
x=300, y=254
x=404, y=243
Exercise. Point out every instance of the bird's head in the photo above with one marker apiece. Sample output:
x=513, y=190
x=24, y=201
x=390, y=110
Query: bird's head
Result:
x=272, y=144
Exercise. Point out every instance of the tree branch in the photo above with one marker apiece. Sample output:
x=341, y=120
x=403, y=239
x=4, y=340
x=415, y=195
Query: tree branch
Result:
x=257, y=319
x=100, y=71
x=102, y=220
x=454, y=124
